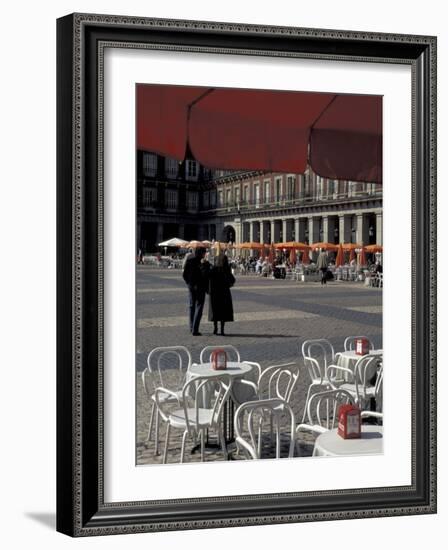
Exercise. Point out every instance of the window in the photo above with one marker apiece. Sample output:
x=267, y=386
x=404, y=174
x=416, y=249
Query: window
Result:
x=237, y=195
x=149, y=164
x=206, y=199
x=171, y=198
x=278, y=189
x=267, y=191
x=331, y=187
x=212, y=199
x=319, y=187
x=291, y=187
x=149, y=196
x=192, y=200
x=228, y=197
x=257, y=194
x=191, y=170
x=171, y=168
x=246, y=193
x=220, y=198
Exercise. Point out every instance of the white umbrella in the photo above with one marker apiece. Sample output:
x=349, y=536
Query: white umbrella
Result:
x=174, y=242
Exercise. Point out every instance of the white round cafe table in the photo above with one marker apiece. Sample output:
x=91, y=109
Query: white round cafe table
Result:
x=235, y=370
x=331, y=444
x=348, y=359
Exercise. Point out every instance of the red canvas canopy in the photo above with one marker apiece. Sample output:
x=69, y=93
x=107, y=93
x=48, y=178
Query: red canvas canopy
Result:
x=340, y=136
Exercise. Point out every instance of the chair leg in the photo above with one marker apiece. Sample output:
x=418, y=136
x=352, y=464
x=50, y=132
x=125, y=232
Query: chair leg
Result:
x=182, y=450
x=165, y=451
x=151, y=421
x=223, y=444
x=156, y=451
x=202, y=446
x=306, y=403
x=277, y=449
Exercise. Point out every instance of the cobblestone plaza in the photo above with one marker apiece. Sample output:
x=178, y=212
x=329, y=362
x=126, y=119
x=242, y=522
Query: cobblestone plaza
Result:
x=272, y=319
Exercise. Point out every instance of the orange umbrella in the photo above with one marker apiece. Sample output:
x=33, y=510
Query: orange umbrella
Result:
x=373, y=248
x=352, y=255
x=250, y=245
x=327, y=246
x=292, y=244
x=340, y=256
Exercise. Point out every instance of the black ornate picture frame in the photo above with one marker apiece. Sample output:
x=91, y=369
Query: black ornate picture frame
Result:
x=81, y=40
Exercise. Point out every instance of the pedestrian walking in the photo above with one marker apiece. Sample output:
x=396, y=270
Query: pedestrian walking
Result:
x=220, y=298
x=322, y=265
x=196, y=276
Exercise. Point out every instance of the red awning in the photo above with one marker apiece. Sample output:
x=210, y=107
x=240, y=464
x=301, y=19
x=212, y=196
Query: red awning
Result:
x=340, y=136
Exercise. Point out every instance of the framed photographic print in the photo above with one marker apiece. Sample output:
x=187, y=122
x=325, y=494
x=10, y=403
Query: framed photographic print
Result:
x=246, y=274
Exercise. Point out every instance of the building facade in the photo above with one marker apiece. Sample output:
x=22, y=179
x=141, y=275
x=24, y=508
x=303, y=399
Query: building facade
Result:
x=189, y=201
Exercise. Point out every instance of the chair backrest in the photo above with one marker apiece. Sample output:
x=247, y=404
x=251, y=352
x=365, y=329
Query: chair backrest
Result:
x=232, y=353
x=366, y=371
x=379, y=389
x=318, y=354
x=323, y=407
x=205, y=392
x=278, y=381
x=349, y=343
x=175, y=360
x=253, y=416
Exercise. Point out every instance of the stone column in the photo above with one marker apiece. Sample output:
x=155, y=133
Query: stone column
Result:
x=360, y=229
x=297, y=229
x=313, y=230
x=345, y=230
x=325, y=238
x=251, y=231
x=379, y=228
x=262, y=235
x=284, y=230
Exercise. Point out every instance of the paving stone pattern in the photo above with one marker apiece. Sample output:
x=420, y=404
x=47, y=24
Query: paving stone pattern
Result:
x=272, y=319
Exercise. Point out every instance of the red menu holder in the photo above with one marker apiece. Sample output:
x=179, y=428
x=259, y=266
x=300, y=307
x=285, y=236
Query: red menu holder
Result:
x=362, y=346
x=349, y=426
x=219, y=359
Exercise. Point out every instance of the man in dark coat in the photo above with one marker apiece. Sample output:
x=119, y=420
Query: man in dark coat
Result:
x=196, y=276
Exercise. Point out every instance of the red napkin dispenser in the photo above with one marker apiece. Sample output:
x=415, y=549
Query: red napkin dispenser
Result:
x=349, y=425
x=362, y=346
x=219, y=359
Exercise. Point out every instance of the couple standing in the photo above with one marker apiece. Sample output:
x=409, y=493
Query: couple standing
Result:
x=202, y=277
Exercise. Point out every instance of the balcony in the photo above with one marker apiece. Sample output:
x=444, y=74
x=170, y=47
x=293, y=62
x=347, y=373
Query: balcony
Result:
x=286, y=201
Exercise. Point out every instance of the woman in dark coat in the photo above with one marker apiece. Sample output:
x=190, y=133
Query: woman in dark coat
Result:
x=220, y=304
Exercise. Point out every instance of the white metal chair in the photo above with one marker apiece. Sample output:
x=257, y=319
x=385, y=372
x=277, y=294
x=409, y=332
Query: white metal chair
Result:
x=359, y=381
x=350, y=342
x=318, y=355
x=249, y=420
x=160, y=361
x=196, y=413
x=323, y=411
x=276, y=381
